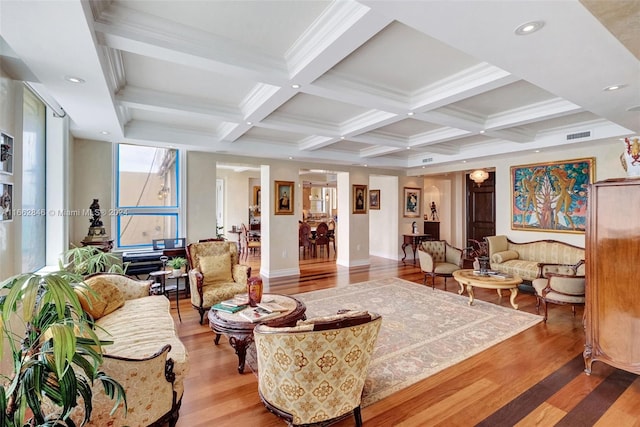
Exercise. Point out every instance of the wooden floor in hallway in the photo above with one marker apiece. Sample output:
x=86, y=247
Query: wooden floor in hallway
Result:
x=533, y=378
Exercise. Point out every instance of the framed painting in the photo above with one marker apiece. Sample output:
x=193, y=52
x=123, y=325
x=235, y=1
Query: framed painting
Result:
x=6, y=202
x=374, y=199
x=256, y=200
x=6, y=153
x=284, y=198
x=411, y=208
x=551, y=196
x=359, y=199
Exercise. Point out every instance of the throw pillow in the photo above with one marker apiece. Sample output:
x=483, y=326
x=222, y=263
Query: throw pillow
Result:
x=105, y=298
x=216, y=268
x=503, y=256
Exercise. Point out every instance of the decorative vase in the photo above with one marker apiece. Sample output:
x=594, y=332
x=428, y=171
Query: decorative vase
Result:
x=254, y=290
x=631, y=156
x=484, y=265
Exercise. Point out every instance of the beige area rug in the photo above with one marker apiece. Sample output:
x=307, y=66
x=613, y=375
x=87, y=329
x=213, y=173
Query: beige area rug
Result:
x=423, y=330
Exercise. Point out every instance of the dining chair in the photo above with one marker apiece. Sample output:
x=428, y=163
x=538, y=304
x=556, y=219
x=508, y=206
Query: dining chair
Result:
x=304, y=240
x=322, y=238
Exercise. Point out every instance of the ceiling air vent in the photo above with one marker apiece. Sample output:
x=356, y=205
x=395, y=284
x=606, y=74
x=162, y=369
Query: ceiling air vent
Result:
x=578, y=135
x=427, y=160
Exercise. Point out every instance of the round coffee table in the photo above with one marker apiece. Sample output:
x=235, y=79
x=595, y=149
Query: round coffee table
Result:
x=240, y=330
x=467, y=277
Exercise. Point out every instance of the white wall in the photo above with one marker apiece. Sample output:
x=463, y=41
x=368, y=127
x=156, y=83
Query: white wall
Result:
x=384, y=221
x=92, y=179
x=201, y=196
x=607, y=165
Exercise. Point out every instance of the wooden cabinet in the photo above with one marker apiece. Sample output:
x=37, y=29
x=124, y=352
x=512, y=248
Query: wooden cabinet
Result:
x=432, y=228
x=612, y=310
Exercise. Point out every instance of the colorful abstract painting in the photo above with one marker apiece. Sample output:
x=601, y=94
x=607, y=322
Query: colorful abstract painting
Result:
x=551, y=196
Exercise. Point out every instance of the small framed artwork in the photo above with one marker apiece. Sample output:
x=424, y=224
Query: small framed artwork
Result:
x=284, y=198
x=256, y=200
x=6, y=202
x=6, y=153
x=411, y=208
x=551, y=196
x=374, y=199
x=359, y=199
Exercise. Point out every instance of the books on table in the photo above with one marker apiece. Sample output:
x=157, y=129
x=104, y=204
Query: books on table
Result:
x=272, y=306
x=257, y=314
x=236, y=301
x=227, y=308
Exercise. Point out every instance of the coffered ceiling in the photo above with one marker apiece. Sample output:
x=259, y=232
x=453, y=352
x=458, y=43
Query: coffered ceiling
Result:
x=389, y=84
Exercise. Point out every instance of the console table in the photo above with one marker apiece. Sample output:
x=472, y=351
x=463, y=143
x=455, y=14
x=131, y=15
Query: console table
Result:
x=414, y=240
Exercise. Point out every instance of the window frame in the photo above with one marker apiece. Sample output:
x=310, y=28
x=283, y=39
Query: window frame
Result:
x=123, y=211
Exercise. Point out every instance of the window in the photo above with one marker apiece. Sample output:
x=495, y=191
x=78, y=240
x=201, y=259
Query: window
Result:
x=147, y=199
x=33, y=182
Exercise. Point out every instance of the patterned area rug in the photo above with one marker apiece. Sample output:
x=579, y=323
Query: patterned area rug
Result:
x=423, y=330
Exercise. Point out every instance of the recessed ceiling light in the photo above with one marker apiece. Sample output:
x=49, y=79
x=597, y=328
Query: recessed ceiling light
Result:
x=104, y=132
x=290, y=158
x=464, y=161
x=481, y=131
x=295, y=86
x=536, y=151
x=342, y=137
x=410, y=113
x=613, y=87
x=249, y=123
x=529, y=28
x=73, y=79
x=408, y=148
x=365, y=165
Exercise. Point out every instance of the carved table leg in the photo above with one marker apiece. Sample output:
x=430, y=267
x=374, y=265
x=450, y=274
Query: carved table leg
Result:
x=470, y=292
x=404, y=245
x=461, y=290
x=216, y=340
x=240, y=344
x=514, y=294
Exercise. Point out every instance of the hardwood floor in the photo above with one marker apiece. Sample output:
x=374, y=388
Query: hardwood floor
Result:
x=539, y=365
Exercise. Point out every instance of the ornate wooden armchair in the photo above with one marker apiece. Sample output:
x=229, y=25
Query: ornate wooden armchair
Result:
x=560, y=289
x=316, y=371
x=215, y=274
x=438, y=258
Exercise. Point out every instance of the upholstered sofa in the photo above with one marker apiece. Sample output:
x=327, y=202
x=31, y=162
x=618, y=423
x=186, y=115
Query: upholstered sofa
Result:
x=532, y=260
x=147, y=358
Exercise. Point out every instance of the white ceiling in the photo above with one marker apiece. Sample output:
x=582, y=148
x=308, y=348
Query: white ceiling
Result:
x=217, y=75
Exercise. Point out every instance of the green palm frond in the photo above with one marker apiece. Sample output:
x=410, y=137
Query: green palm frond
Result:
x=50, y=361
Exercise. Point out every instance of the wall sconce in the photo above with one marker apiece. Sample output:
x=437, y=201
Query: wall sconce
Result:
x=479, y=176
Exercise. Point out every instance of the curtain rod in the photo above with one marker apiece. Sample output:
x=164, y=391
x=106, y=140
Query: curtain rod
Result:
x=46, y=99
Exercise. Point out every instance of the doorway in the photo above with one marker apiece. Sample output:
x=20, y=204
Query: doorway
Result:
x=481, y=208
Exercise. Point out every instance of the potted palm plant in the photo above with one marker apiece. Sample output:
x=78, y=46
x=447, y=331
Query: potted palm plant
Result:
x=54, y=351
x=85, y=260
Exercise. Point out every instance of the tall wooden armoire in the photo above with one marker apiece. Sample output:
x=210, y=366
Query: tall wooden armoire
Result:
x=612, y=310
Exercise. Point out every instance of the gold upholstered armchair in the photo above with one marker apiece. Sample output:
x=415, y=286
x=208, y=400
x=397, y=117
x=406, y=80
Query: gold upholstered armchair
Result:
x=215, y=274
x=316, y=371
x=438, y=258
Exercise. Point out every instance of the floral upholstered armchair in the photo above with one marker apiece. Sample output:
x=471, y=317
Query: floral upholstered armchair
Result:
x=215, y=274
x=316, y=371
